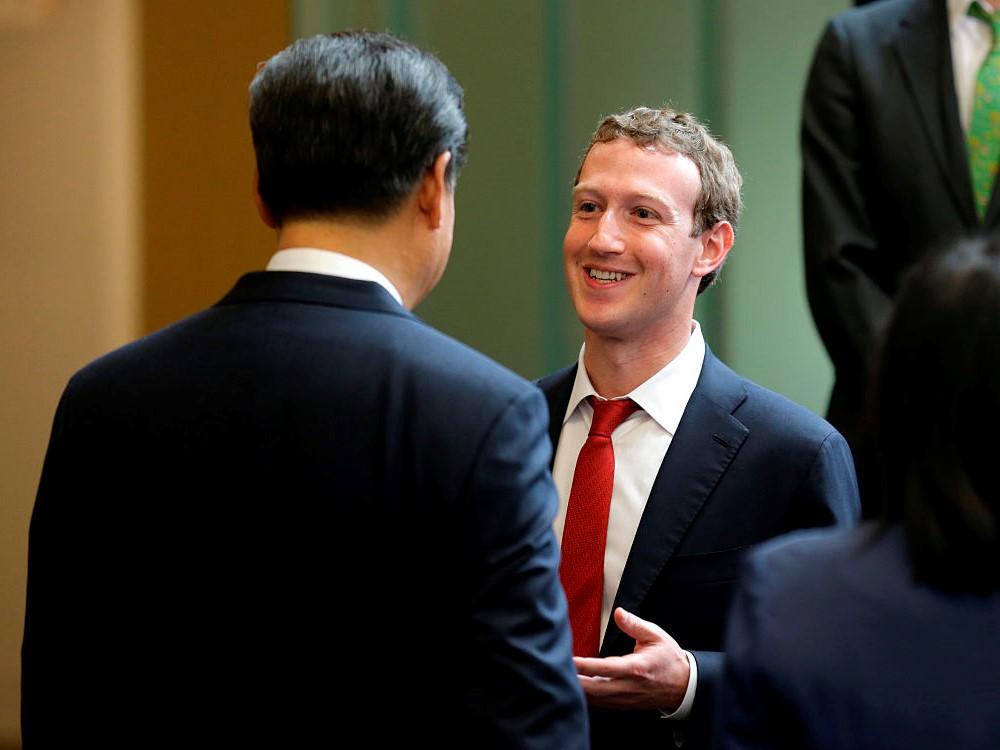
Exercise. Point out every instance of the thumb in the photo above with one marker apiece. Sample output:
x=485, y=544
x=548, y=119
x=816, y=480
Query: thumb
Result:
x=642, y=630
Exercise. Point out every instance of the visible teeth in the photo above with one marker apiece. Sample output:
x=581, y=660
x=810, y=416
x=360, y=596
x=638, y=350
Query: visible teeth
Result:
x=606, y=275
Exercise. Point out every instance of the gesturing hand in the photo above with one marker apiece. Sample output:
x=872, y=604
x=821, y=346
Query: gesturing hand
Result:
x=654, y=676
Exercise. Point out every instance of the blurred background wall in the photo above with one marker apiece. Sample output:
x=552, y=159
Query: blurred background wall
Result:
x=126, y=167
x=125, y=183
x=538, y=75
x=69, y=178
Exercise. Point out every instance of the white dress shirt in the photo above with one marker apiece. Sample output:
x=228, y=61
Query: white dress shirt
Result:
x=971, y=40
x=330, y=263
x=640, y=444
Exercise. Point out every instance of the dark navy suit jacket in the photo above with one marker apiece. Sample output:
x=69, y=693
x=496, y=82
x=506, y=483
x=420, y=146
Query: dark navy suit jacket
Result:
x=832, y=644
x=745, y=465
x=300, y=513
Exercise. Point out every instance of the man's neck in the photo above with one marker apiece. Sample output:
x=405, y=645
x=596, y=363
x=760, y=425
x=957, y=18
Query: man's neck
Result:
x=617, y=367
x=375, y=244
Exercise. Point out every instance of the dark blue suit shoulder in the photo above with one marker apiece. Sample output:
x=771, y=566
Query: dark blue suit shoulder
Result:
x=450, y=364
x=764, y=406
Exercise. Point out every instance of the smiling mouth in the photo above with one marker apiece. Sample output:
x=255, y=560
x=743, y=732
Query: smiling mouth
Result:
x=607, y=277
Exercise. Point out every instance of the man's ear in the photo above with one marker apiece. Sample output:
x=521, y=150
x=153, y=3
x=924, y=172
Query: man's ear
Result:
x=433, y=192
x=716, y=243
x=262, y=210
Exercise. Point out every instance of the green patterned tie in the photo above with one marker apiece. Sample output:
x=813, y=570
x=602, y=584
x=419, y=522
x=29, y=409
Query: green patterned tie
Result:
x=984, y=130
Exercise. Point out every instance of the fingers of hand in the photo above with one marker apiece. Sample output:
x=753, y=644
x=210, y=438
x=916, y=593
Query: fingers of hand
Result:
x=612, y=666
x=643, y=631
x=652, y=677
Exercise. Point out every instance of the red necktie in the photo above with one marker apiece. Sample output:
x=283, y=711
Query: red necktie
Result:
x=586, y=530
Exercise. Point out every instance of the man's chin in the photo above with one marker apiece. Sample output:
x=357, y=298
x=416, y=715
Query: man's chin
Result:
x=606, y=327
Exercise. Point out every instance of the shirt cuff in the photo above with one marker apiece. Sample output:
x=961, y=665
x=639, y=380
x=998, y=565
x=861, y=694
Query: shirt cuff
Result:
x=684, y=710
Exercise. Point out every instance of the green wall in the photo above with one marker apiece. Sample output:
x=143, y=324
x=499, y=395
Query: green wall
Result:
x=538, y=74
x=770, y=336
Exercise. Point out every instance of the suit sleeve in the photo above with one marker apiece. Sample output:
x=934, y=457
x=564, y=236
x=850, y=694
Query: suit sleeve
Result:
x=57, y=645
x=842, y=256
x=527, y=694
x=829, y=493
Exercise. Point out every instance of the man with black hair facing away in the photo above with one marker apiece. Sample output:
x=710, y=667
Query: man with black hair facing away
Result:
x=303, y=515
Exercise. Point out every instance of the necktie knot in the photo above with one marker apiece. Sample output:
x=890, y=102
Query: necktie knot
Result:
x=609, y=414
x=992, y=19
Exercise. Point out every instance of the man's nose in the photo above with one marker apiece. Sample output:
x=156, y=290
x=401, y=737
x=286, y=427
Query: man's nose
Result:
x=607, y=237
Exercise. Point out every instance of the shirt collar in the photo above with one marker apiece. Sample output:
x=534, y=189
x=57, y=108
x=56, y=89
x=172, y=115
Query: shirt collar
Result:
x=959, y=9
x=665, y=395
x=330, y=263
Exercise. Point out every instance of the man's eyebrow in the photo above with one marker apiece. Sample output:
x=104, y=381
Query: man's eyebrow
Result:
x=652, y=198
x=582, y=187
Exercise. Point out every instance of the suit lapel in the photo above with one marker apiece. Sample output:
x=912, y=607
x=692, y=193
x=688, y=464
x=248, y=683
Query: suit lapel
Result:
x=923, y=48
x=708, y=438
x=557, y=389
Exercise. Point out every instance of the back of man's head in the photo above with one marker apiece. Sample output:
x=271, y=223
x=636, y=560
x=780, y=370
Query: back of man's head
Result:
x=347, y=123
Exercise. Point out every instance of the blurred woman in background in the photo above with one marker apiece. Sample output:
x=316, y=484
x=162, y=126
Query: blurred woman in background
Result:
x=888, y=635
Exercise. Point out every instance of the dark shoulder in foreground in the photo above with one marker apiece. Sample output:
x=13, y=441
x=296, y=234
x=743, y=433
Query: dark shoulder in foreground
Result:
x=437, y=351
x=803, y=553
x=408, y=347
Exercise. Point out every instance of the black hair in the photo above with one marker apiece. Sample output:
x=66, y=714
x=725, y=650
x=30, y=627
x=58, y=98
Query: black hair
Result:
x=347, y=123
x=938, y=399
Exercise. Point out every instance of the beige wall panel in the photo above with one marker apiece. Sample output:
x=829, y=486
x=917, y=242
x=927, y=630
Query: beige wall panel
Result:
x=202, y=230
x=68, y=250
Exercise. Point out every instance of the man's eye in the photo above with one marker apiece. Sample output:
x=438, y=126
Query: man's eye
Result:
x=644, y=213
x=587, y=207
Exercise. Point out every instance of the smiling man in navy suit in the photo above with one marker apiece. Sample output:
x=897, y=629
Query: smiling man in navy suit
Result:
x=303, y=514
x=704, y=465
